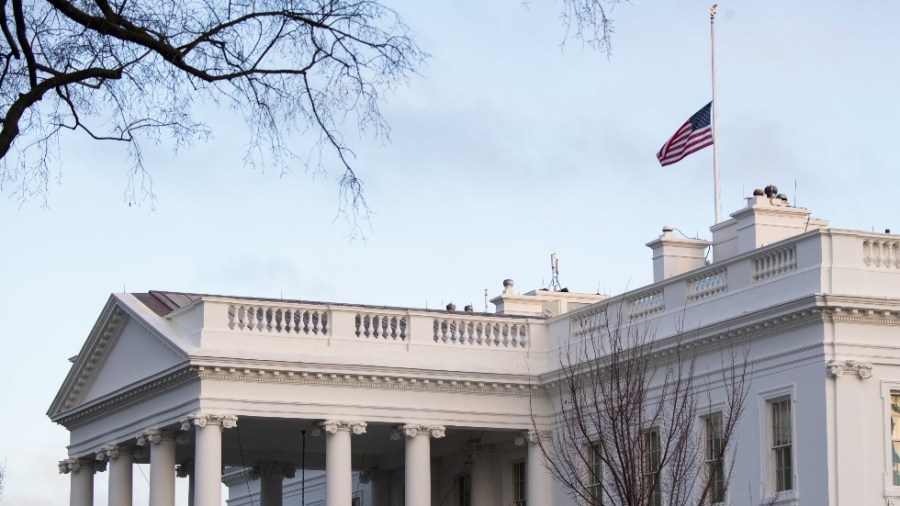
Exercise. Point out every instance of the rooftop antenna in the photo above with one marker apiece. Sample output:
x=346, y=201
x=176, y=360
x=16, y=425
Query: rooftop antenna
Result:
x=485, y=300
x=554, y=268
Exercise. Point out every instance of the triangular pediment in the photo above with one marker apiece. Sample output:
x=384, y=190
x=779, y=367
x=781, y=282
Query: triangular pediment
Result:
x=120, y=352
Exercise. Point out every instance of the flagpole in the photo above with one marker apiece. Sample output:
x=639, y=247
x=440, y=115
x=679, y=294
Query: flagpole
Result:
x=715, y=103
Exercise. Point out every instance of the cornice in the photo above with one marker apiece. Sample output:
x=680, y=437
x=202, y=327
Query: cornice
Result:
x=394, y=381
x=90, y=357
x=130, y=395
x=115, y=315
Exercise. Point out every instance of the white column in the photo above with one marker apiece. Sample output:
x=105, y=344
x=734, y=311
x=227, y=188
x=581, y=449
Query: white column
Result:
x=81, y=473
x=418, y=459
x=120, y=483
x=338, y=469
x=271, y=476
x=208, y=455
x=537, y=477
x=482, y=474
x=162, y=465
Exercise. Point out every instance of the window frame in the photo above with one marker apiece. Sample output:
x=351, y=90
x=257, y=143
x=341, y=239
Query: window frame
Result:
x=888, y=388
x=519, y=488
x=594, y=473
x=720, y=490
x=767, y=401
x=648, y=466
x=464, y=490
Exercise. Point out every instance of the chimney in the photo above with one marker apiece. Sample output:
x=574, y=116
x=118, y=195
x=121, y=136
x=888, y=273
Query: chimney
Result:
x=676, y=255
x=766, y=219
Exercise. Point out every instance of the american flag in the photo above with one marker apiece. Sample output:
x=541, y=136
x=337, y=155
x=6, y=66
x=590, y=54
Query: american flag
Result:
x=694, y=135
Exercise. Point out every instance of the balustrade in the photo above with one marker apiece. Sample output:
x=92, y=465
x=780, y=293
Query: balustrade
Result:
x=647, y=303
x=382, y=326
x=277, y=320
x=774, y=263
x=480, y=332
x=707, y=284
x=881, y=253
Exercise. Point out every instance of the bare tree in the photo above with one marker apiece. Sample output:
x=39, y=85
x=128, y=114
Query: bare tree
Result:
x=2, y=478
x=131, y=71
x=636, y=423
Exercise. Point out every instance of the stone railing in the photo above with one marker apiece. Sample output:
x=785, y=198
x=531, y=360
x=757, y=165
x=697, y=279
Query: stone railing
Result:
x=269, y=318
x=382, y=326
x=647, y=303
x=341, y=322
x=881, y=253
x=591, y=322
x=707, y=284
x=774, y=263
x=480, y=332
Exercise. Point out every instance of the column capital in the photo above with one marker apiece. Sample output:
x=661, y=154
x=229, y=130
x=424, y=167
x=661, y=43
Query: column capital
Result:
x=533, y=437
x=273, y=468
x=411, y=430
x=112, y=452
x=204, y=419
x=333, y=426
x=852, y=367
x=75, y=465
x=154, y=436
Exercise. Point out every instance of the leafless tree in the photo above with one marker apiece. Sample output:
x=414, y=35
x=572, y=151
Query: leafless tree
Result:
x=637, y=425
x=132, y=71
x=2, y=479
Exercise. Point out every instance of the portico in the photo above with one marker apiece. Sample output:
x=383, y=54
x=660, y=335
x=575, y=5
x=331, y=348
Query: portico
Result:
x=227, y=383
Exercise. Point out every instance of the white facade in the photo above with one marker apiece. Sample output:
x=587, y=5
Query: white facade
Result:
x=410, y=406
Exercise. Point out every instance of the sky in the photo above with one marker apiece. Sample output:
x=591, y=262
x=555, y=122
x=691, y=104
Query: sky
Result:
x=505, y=148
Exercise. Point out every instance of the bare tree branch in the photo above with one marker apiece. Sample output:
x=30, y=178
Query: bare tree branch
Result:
x=633, y=404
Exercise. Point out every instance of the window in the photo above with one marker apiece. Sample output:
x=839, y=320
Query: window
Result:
x=650, y=458
x=356, y=502
x=782, y=445
x=595, y=475
x=465, y=490
x=715, y=459
x=518, y=483
x=895, y=438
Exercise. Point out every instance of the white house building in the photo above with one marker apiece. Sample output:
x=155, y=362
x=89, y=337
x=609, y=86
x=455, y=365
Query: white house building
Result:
x=388, y=406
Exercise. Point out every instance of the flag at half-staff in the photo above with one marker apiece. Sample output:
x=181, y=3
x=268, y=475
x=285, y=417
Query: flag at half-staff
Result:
x=694, y=135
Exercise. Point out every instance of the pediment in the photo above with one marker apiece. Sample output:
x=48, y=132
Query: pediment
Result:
x=120, y=352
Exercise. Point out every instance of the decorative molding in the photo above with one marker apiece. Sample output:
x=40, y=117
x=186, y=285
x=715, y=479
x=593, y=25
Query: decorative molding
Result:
x=367, y=476
x=74, y=465
x=112, y=452
x=501, y=386
x=413, y=430
x=86, y=366
x=203, y=419
x=333, y=426
x=533, y=437
x=135, y=395
x=156, y=435
x=841, y=367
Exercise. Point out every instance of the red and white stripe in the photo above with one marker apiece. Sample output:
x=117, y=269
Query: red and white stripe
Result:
x=685, y=141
